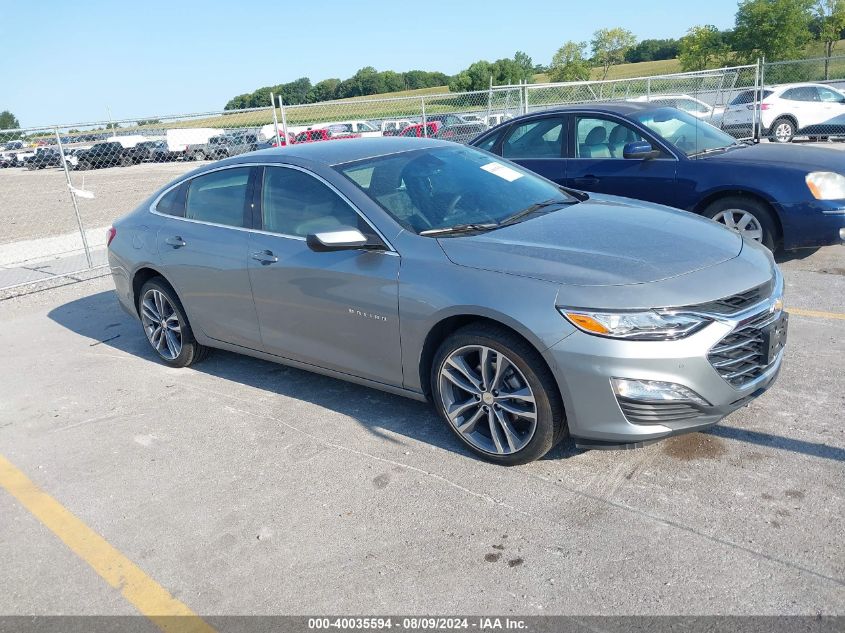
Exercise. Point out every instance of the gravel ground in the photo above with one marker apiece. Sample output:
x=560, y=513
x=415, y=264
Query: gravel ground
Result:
x=246, y=487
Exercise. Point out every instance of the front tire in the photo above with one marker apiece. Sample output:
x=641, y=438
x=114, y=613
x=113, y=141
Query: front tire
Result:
x=166, y=325
x=782, y=130
x=496, y=393
x=747, y=216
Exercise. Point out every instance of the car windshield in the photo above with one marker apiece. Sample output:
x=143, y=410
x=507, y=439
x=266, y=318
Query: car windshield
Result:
x=689, y=134
x=430, y=190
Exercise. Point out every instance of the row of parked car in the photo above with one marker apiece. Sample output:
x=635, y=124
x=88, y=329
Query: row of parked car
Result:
x=200, y=144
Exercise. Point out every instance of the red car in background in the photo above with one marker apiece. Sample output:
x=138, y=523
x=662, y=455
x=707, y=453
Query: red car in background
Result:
x=417, y=129
x=323, y=134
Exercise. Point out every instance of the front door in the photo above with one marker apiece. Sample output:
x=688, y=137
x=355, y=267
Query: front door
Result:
x=205, y=253
x=597, y=163
x=338, y=310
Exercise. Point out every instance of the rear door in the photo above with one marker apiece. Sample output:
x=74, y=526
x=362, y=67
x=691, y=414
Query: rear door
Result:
x=538, y=144
x=203, y=245
x=596, y=163
x=338, y=310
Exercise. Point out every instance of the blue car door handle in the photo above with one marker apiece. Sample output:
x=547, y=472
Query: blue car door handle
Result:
x=265, y=257
x=175, y=241
x=587, y=180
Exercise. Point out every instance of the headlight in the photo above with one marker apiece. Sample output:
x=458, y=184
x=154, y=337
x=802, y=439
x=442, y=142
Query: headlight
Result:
x=826, y=185
x=641, y=326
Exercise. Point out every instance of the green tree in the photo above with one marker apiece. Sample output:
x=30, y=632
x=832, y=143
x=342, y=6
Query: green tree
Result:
x=526, y=64
x=829, y=22
x=569, y=63
x=652, y=50
x=476, y=77
x=701, y=48
x=325, y=90
x=609, y=47
x=8, y=121
x=774, y=29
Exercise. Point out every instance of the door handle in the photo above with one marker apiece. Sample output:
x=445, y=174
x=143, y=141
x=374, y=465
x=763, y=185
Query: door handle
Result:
x=265, y=257
x=175, y=242
x=586, y=180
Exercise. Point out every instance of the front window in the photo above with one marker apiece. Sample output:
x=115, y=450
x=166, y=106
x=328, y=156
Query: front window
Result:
x=689, y=134
x=598, y=137
x=294, y=203
x=438, y=188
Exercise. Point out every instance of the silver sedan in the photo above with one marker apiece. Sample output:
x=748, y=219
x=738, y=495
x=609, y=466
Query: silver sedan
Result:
x=524, y=311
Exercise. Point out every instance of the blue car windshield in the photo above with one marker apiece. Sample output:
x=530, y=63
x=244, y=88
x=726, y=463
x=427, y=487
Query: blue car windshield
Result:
x=438, y=188
x=690, y=135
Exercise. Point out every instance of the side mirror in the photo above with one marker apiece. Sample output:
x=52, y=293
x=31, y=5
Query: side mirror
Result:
x=640, y=149
x=341, y=239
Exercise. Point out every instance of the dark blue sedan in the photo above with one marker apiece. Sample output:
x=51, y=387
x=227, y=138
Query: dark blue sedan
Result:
x=781, y=195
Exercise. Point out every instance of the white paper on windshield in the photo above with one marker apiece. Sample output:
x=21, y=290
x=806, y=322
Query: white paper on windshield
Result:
x=502, y=171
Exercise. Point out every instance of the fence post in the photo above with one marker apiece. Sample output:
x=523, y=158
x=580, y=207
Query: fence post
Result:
x=490, y=100
x=284, y=119
x=424, y=127
x=275, y=120
x=525, y=99
x=648, y=89
x=758, y=97
x=73, y=200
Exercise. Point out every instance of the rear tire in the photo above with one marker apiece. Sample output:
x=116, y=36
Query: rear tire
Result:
x=166, y=325
x=782, y=130
x=734, y=211
x=511, y=413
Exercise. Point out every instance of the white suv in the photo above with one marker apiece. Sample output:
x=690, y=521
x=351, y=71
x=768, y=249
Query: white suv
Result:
x=788, y=111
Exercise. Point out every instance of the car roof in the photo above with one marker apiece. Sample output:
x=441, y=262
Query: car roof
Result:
x=612, y=107
x=342, y=151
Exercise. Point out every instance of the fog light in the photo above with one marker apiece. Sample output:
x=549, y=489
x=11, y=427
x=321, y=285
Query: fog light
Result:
x=655, y=390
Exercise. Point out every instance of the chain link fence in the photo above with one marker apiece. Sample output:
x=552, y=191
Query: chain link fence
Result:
x=62, y=185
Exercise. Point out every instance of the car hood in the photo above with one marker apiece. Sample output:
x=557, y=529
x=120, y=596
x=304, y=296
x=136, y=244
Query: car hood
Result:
x=602, y=241
x=785, y=155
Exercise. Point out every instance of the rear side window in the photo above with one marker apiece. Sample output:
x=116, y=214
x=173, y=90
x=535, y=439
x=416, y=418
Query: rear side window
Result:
x=294, y=203
x=173, y=202
x=748, y=97
x=535, y=139
x=219, y=197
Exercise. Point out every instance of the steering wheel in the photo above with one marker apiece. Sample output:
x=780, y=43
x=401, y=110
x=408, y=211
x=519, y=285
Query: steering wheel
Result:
x=456, y=198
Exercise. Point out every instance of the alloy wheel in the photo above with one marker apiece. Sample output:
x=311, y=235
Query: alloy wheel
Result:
x=783, y=132
x=742, y=222
x=161, y=324
x=487, y=400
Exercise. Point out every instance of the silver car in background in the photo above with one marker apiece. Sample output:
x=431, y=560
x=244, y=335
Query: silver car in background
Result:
x=524, y=311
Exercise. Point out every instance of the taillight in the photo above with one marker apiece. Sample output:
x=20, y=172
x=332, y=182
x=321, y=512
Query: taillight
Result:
x=110, y=235
x=763, y=106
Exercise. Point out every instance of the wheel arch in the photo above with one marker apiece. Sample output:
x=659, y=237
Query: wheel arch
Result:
x=769, y=203
x=141, y=276
x=443, y=328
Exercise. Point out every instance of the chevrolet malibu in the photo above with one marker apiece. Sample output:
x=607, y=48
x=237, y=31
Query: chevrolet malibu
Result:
x=525, y=311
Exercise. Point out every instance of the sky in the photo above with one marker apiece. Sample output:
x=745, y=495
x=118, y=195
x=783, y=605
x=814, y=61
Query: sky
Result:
x=73, y=62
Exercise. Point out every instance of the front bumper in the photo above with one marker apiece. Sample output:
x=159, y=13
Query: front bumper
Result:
x=813, y=223
x=584, y=365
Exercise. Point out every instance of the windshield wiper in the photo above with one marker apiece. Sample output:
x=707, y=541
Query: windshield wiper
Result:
x=516, y=217
x=713, y=150
x=461, y=228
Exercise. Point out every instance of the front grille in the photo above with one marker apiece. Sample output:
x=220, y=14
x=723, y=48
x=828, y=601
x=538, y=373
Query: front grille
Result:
x=738, y=302
x=657, y=412
x=740, y=357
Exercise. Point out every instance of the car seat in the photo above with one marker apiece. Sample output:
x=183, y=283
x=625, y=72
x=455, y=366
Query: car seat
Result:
x=595, y=144
x=620, y=136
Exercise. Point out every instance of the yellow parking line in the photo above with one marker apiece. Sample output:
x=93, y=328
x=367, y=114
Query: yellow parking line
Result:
x=150, y=598
x=816, y=313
